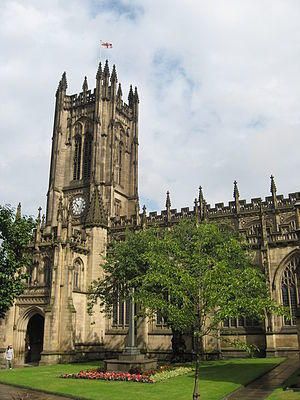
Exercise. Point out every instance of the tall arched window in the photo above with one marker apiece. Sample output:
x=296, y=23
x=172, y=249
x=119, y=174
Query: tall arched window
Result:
x=77, y=152
x=87, y=156
x=290, y=289
x=120, y=313
x=120, y=164
x=78, y=274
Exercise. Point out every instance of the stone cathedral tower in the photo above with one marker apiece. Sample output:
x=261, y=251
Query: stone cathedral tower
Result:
x=93, y=180
x=92, y=199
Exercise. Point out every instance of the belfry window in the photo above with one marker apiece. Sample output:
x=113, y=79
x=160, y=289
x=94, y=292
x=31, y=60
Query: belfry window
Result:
x=87, y=156
x=77, y=157
x=290, y=290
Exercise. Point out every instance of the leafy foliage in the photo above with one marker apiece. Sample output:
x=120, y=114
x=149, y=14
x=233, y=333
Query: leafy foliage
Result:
x=15, y=258
x=195, y=275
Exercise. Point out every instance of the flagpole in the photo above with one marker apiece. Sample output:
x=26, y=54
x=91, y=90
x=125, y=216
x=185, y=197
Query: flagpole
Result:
x=107, y=45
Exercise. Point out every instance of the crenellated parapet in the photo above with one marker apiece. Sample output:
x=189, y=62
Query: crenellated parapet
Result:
x=274, y=217
x=105, y=90
x=79, y=100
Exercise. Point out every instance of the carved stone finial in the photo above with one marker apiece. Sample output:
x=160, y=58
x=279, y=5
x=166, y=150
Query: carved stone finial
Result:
x=236, y=196
x=106, y=69
x=236, y=193
x=99, y=72
x=39, y=215
x=202, y=205
x=113, y=77
x=273, y=188
x=62, y=86
x=273, y=191
x=85, y=84
x=130, y=96
x=119, y=91
x=168, y=207
x=168, y=201
x=201, y=197
x=136, y=96
x=19, y=211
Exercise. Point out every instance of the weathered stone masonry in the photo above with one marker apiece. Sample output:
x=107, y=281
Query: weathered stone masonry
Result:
x=93, y=197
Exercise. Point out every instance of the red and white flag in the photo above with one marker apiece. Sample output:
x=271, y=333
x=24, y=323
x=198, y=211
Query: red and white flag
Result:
x=107, y=45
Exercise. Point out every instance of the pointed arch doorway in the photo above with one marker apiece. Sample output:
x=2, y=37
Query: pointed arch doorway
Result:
x=34, y=339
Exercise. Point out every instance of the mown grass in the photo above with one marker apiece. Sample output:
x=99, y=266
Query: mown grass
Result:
x=281, y=394
x=218, y=378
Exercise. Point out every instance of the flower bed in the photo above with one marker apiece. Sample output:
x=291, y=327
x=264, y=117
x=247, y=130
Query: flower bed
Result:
x=167, y=374
x=109, y=376
x=152, y=376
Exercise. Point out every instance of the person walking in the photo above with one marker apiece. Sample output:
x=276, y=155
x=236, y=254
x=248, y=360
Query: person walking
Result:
x=9, y=355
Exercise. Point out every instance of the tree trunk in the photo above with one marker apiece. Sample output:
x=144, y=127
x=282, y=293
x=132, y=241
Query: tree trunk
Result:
x=196, y=394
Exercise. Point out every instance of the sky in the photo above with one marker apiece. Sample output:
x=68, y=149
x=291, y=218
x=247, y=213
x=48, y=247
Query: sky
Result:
x=218, y=83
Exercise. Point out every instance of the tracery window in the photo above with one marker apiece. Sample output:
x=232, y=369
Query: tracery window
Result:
x=120, y=164
x=117, y=208
x=120, y=314
x=87, y=156
x=290, y=289
x=241, y=322
x=78, y=271
x=77, y=157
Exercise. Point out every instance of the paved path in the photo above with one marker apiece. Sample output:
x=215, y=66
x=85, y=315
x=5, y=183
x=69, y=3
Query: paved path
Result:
x=13, y=393
x=262, y=387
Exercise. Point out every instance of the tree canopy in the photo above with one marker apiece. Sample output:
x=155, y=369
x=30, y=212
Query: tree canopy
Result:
x=195, y=275
x=15, y=257
x=179, y=270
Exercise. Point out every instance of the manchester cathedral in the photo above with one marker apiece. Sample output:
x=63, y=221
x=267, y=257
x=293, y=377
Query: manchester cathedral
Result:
x=92, y=198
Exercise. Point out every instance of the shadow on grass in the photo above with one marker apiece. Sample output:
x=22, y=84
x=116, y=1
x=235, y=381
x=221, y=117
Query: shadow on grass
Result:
x=239, y=372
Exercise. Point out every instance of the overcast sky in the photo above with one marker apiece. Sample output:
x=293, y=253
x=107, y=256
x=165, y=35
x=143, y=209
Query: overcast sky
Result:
x=218, y=82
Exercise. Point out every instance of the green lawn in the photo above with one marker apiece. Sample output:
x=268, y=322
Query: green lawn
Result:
x=280, y=394
x=218, y=378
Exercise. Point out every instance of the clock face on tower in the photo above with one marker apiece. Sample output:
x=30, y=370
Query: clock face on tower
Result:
x=78, y=205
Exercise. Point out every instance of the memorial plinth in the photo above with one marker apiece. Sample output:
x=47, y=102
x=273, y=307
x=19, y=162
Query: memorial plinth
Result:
x=131, y=358
x=126, y=362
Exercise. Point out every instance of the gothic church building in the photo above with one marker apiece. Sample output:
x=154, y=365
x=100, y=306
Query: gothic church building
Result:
x=92, y=198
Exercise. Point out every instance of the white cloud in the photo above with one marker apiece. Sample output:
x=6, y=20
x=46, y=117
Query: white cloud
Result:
x=218, y=82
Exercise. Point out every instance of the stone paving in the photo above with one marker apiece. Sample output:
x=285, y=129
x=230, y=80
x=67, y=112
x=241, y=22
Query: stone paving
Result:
x=13, y=393
x=262, y=387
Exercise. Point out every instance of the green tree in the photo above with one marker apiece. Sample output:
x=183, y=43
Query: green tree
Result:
x=196, y=275
x=15, y=257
